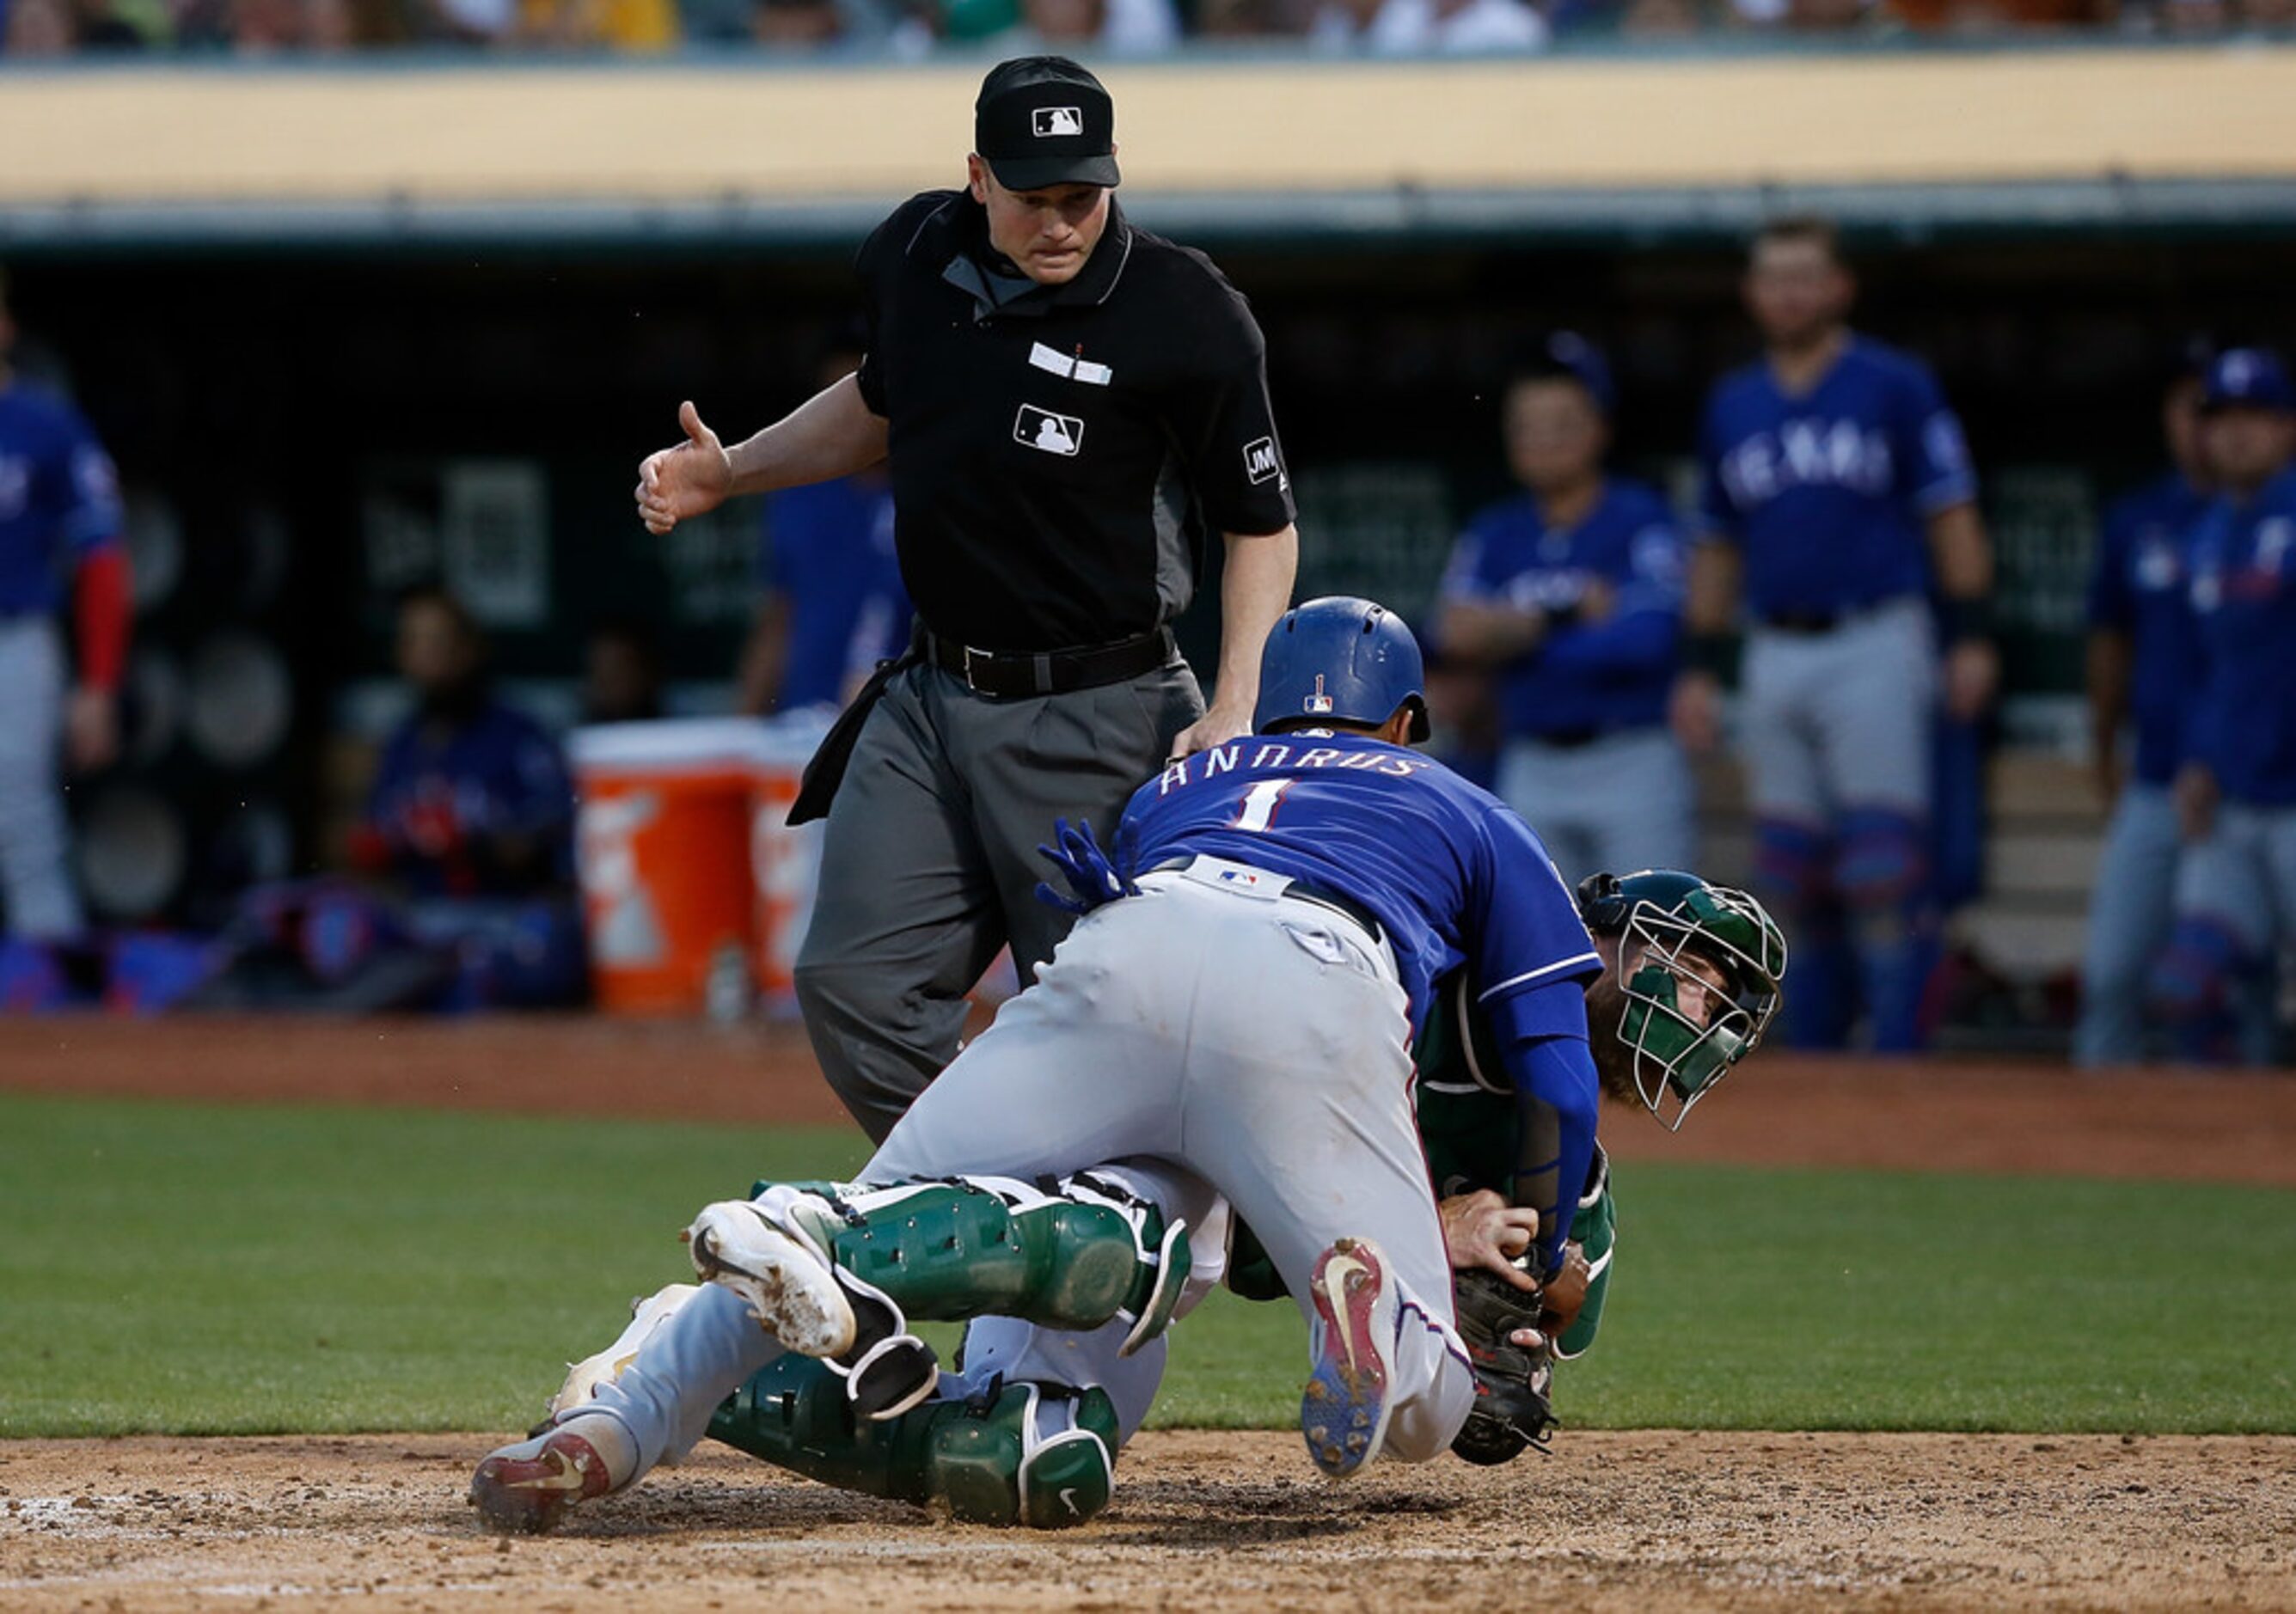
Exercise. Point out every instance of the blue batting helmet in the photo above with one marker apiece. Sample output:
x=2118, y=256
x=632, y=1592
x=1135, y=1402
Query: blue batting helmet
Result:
x=1344, y=661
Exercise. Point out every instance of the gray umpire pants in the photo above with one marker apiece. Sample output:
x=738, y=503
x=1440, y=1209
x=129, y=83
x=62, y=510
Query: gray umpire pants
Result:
x=929, y=861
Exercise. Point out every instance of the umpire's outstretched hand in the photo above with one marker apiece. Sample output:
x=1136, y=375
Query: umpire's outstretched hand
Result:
x=687, y=480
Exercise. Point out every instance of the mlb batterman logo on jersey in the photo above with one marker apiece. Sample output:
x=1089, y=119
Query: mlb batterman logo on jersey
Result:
x=1061, y=434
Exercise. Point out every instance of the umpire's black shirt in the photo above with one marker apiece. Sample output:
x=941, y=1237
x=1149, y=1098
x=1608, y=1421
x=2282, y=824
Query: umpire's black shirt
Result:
x=1059, y=454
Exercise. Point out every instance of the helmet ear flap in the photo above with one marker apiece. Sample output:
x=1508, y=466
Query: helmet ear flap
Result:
x=1601, y=902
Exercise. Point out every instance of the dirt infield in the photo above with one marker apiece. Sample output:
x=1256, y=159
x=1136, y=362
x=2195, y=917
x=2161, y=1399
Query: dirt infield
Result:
x=1654, y=1522
x=1647, y=1521
x=1780, y=1110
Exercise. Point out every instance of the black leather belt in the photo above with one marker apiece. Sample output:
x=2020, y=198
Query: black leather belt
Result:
x=1308, y=890
x=1815, y=622
x=1804, y=621
x=1050, y=672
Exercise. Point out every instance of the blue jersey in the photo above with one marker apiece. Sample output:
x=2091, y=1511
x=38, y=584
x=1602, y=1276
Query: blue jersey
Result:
x=829, y=547
x=1828, y=493
x=1612, y=674
x=1452, y=873
x=2243, y=722
x=58, y=500
x=2142, y=588
x=494, y=773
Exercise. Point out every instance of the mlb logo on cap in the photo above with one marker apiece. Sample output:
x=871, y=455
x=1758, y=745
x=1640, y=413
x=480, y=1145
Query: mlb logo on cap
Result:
x=1043, y=120
x=1319, y=702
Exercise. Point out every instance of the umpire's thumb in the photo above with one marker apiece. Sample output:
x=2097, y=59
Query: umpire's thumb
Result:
x=690, y=418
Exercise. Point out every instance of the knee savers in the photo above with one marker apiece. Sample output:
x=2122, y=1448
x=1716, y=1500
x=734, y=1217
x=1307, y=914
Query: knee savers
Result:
x=1071, y=1255
x=2192, y=980
x=1876, y=861
x=1884, y=861
x=1792, y=861
x=1019, y=1454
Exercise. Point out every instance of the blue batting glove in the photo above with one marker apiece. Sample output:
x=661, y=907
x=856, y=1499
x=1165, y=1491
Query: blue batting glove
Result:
x=1091, y=876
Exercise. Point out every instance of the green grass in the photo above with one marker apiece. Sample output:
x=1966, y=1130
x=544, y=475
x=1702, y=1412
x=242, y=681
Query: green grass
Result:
x=203, y=1269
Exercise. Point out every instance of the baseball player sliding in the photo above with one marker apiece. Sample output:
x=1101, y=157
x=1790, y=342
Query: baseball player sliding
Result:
x=1257, y=986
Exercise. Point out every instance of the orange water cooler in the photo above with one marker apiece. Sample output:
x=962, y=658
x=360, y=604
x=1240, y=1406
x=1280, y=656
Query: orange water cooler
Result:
x=663, y=832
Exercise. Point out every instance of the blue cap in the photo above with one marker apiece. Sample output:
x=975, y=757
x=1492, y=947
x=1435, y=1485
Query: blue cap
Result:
x=2248, y=377
x=1567, y=356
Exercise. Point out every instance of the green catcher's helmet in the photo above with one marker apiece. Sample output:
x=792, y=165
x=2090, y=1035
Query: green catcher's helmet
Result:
x=1675, y=917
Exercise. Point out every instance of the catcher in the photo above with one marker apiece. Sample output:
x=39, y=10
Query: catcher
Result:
x=1259, y=1051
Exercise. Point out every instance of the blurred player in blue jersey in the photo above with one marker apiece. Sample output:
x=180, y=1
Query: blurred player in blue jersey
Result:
x=469, y=829
x=834, y=605
x=465, y=845
x=1231, y=1024
x=60, y=533
x=1572, y=592
x=2143, y=662
x=1838, y=499
x=470, y=798
x=2235, y=794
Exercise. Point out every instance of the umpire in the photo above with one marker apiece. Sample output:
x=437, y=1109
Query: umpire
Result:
x=1068, y=405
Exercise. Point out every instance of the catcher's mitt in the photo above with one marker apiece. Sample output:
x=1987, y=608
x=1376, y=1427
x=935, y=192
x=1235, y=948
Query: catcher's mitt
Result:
x=1512, y=1410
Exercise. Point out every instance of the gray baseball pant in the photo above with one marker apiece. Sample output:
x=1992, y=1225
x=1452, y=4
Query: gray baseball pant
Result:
x=1617, y=804
x=35, y=877
x=1255, y=1040
x=1841, y=719
x=2130, y=908
x=929, y=861
x=2243, y=877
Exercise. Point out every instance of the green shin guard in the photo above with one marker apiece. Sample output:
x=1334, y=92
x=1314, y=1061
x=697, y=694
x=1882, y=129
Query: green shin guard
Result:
x=952, y=1251
x=1020, y=1454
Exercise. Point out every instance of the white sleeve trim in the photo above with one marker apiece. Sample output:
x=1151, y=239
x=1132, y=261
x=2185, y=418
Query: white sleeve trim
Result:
x=1525, y=978
x=1960, y=487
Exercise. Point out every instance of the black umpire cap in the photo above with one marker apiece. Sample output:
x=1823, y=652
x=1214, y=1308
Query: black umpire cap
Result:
x=1043, y=120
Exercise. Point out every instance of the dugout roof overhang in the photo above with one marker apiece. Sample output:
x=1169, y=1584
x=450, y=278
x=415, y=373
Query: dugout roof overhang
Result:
x=712, y=152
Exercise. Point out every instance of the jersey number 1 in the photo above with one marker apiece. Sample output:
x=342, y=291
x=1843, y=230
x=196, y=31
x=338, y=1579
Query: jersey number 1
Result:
x=1259, y=802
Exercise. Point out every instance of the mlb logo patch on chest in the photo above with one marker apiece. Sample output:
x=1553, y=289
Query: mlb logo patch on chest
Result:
x=1061, y=434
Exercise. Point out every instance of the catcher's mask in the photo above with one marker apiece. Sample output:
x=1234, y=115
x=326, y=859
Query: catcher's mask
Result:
x=1665, y=919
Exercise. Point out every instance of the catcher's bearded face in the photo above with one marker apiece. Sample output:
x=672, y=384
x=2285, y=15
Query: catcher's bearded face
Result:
x=1047, y=234
x=1675, y=1022
x=1700, y=988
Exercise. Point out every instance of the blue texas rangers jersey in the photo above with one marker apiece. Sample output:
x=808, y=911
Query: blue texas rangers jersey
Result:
x=1451, y=872
x=2243, y=723
x=59, y=500
x=2142, y=588
x=438, y=786
x=829, y=547
x=1606, y=675
x=1828, y=492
